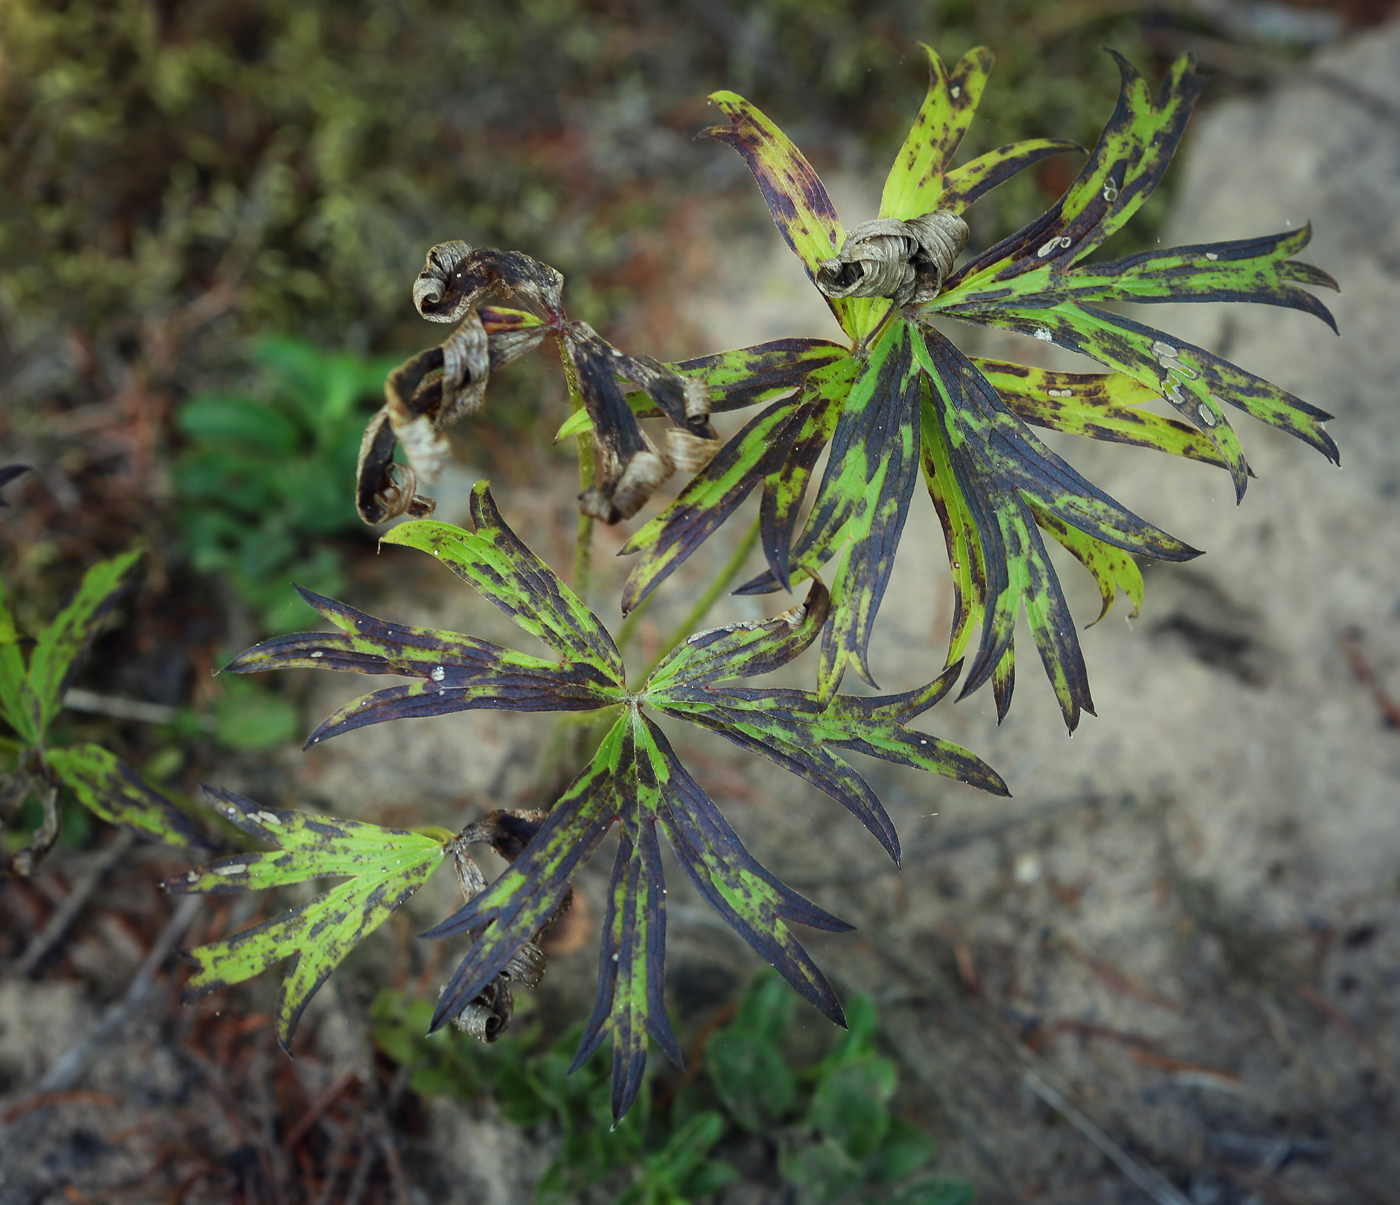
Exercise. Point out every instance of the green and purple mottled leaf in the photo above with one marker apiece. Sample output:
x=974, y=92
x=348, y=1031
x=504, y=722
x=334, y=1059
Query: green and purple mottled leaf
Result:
x=1098, y=405
x=1112, y=567
x=712, y=495
x=1126, y=164
x=632, y=963
x=66, y=639
x=914, y=185
x=526, y=894
x=1000, y=469
x=113, y=792
x=799, y=730
x=796, y=198
x=862, y=502
x=753, y=903
x=1259, y=270
x=385, y=867
x=965, y=185
x=454, y=672
x=494, y=560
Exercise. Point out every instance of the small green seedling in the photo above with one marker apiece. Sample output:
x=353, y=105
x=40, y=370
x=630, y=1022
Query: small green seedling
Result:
x=32, y=764
x=261, y=481
x=836, y=1136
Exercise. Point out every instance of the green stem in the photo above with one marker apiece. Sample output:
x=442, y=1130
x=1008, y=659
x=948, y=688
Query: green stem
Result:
x=583, y=541
x=692, y=621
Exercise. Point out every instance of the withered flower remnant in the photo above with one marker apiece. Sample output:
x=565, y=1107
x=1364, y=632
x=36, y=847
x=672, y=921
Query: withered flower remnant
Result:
x=437, y=387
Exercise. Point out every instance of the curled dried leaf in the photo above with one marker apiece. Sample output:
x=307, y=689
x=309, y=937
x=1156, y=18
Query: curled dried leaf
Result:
x=905, y=261
x=487, y=1015
x=456, y=277
x=688, y=452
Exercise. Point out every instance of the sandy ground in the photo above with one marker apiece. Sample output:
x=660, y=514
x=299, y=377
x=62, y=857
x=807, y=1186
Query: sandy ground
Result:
x=1167, y=970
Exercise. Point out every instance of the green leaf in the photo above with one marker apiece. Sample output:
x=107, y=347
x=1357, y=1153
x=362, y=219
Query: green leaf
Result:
x=1112, y=567
x=111, y=790
x=1098, y=405
x=385, y=867
x=752, y=1079
x=821, y=1171
x=454, y=672
x=66, y=639
x=494, y=560
x=766, y=1009
x=218, y=419
x=18, y=705
x=798, y=729
x=905, y=1149
x=249, y=717
x=935, y=1192
x=849, y=1105
x=914, y=185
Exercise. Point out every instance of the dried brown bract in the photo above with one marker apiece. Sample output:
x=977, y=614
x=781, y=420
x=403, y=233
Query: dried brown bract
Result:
x=487, y=1015
x=905, y=261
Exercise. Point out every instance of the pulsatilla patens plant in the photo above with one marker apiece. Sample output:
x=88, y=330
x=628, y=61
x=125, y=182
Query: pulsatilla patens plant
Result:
x=898, y=402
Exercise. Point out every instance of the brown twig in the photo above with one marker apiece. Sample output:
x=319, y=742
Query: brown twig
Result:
x=57, y=925
x=1389, y=708
x=1345, y=1024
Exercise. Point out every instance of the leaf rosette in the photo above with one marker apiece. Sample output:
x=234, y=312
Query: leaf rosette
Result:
x=902, y=402
x=634, y=779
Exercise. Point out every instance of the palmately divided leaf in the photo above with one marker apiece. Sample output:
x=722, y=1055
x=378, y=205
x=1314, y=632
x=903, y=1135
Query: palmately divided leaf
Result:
x=1000, y=469
x=386, y=866
x=65, y=640
x=862, y=502
x=800, y=730
x=495, y=560
x=455, y=672
x=752, y=901
x=112, y=791
x=712, y=495
x=516, y=906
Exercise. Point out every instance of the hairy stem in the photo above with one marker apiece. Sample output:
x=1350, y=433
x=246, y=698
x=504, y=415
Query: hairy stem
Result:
x=583, y=541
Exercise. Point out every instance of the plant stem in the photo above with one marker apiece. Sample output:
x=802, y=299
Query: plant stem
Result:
x=583, y=541
x=696, y=616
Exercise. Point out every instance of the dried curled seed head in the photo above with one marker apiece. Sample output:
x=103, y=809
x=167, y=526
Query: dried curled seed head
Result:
x=487, y=1015
x=527, y=966
x=904, y=261
x=434, y=285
